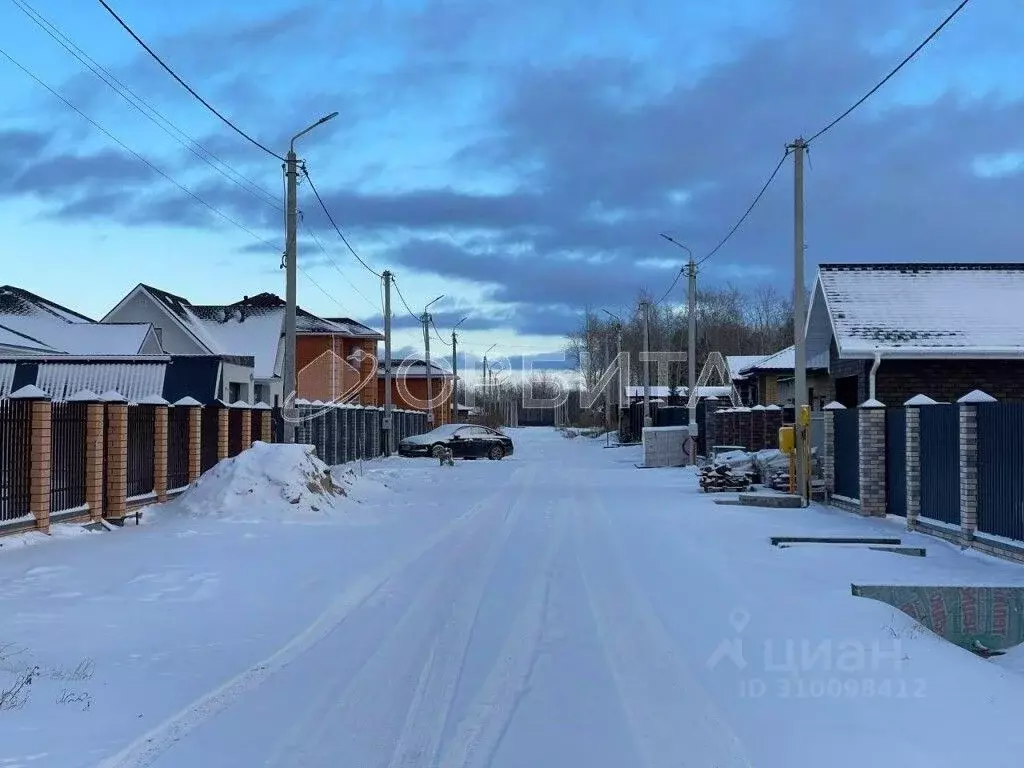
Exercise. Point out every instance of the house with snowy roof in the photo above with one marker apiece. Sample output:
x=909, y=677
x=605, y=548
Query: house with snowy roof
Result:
x=246, y=337
x=770, y=379
x=899, y=330
x=409, y=388
x=61, y=351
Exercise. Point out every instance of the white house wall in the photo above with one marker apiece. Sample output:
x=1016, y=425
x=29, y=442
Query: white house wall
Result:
x=140, y=308
x=242, y=375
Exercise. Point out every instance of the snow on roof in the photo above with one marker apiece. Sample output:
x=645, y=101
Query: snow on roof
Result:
x=251, y=327
x=948, y=309
x=412, y=367
x=40, y=326
x=785, y=360
x=739, y=363
x=355, y=328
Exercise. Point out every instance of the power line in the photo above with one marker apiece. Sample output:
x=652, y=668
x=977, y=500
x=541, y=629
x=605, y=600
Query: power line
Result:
x=437, y=332
x=678, y=275
x=135, y=154
x=185, y=85
x=312, y=186
x=146, y=109
x=397, y=290
x=893, y=72
x=746, y=213
x=316, y=239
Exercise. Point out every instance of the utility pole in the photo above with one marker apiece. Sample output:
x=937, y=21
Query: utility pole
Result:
x=426, y=346
x=425, y=320
x=487, y=402
x=607, y=395
x=455, y=377
x=291, y=279
x=691, y=353
x=799, y=318
x=647, y=362
x=455, y=371
x=291, y=173
x=388, y=405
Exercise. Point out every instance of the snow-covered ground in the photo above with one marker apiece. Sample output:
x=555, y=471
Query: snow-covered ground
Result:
x=558, y=608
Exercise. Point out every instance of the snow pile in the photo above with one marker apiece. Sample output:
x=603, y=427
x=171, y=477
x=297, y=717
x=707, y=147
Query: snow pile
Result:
x=738, y=461
x=265, y=476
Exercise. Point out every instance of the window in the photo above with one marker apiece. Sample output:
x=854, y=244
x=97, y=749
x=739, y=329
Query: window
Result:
x=260, y=395
x=234, y=392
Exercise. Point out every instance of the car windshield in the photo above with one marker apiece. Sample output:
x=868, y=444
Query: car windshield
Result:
x=444, y=431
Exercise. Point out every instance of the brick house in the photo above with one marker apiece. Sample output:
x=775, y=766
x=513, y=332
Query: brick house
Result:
x=409, y=387
x=252, y=330
x=940, y=330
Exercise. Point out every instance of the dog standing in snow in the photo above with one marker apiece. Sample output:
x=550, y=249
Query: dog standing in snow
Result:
x=446, y=458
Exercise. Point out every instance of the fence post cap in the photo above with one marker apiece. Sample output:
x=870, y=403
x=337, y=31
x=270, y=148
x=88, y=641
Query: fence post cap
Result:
x=239, y=404
x=113, y=396
x=976, y=396
x=317, y=402
x=301, y=401
x=773, y=407
x=84, y=396
x=872, y=403
x=835, y=405
x=758, y=408
x=29, y=392
x=153, y=400
x=189, y=401
x=261, y=406
x=921, y=400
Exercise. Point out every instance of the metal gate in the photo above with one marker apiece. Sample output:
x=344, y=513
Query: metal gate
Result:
x=1000, y=458
x=940, y=463
x=847, y=453
x=210, y=434
x=896, y=461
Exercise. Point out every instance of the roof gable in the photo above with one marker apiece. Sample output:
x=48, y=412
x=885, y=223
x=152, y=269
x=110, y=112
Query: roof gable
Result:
x=955, y=310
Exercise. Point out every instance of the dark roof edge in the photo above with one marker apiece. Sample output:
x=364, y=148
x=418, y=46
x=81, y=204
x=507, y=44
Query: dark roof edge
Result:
x=921, y=266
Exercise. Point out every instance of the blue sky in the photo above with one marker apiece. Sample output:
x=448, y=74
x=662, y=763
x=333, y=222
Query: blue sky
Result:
x=518, y=158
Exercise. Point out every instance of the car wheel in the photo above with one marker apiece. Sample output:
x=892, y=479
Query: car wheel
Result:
x=496, y=453
x=436, y=450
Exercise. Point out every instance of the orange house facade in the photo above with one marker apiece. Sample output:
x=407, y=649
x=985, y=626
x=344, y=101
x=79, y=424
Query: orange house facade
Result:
x=409, y=388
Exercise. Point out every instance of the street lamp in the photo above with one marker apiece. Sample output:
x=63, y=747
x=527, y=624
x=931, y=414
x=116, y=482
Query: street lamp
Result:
x=455, y=369
x=426, y=346
x=291, y=273
x=691, y=351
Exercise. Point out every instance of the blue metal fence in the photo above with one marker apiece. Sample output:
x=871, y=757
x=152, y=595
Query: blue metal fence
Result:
x=896, y=461
x=1000, y=465
x=847, y=453
x=940, y=463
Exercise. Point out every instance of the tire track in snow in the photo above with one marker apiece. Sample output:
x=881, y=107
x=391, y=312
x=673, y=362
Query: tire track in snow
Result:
x=478, y=735
x=144, y=750
x=420, y=739
x=671, y=717
x=377, y=694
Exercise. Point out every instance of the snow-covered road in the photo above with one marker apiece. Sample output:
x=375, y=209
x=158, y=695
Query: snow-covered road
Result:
x=559, y=608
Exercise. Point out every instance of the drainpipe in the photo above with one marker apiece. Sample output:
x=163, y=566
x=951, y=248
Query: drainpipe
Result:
x=871, y=375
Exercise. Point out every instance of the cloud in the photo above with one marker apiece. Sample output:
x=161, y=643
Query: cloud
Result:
x=555, y=177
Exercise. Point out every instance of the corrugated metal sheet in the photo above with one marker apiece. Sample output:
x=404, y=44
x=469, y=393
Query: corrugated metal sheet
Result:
x=6, y=378
x=133, y=380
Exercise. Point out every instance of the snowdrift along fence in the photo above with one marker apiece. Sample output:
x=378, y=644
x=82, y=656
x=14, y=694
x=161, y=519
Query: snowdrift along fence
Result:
x=93, y=457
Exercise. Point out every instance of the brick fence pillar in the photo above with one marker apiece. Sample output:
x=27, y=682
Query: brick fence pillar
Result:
x=829, y=458
x=159, y=406
x=195, y=436
x=94, y=451
x=913, y=457
x=246, y=426
x=40, y=437
x=222, y=433
x=266, y=425
x=871, y=443
x=116, y=454
x=969, y=462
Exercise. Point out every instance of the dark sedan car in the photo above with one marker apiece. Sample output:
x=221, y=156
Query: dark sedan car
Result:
x=467, y=441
